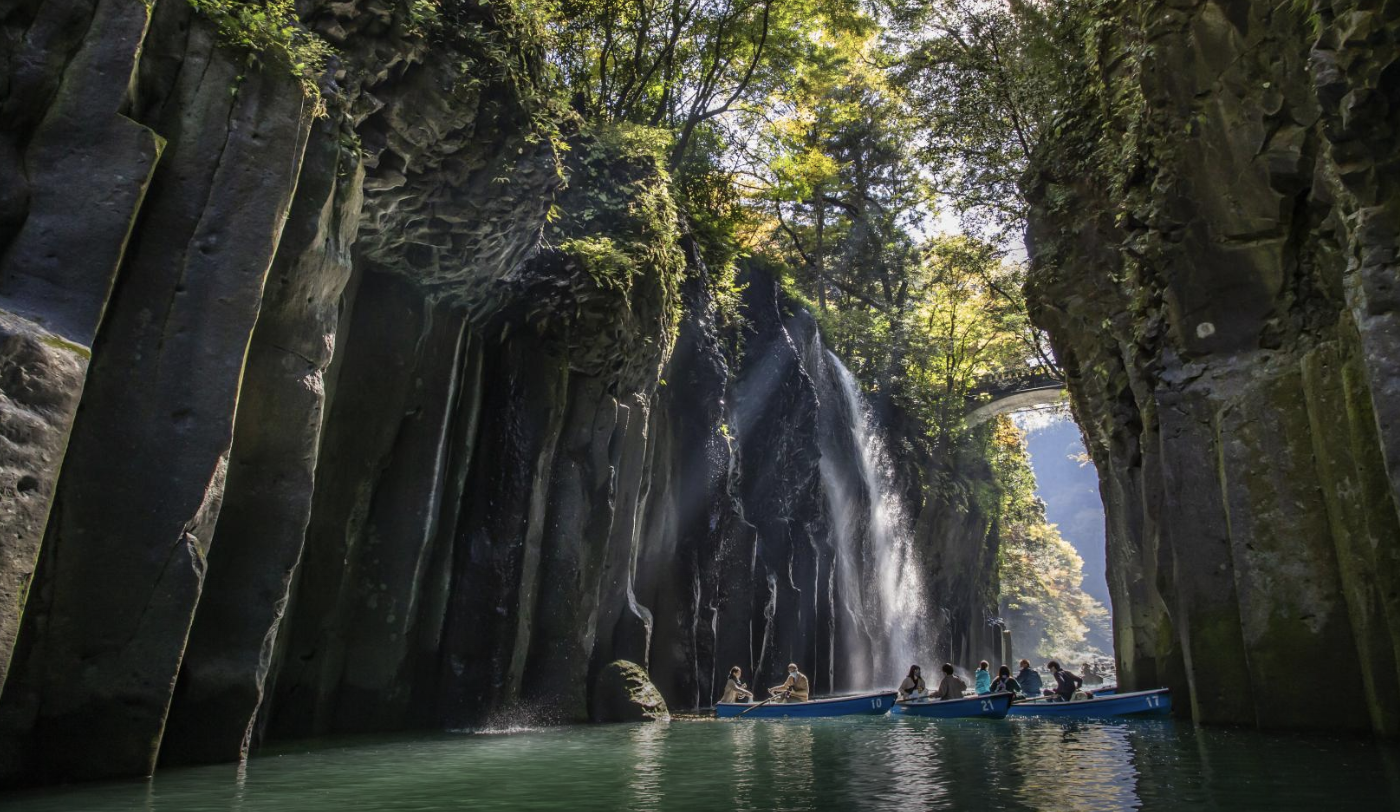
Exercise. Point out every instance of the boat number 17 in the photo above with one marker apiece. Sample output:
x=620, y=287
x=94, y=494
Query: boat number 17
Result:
x=1153, y=701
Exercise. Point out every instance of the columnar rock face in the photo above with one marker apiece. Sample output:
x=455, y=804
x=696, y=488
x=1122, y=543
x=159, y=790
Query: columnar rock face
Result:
x=319, y=424
x=1214, y=237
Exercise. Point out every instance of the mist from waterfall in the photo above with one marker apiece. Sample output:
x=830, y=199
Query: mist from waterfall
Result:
x=883, y=618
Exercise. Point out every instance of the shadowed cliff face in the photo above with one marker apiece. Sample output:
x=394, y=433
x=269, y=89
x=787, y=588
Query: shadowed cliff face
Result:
x=317, y=425
x=1220, y=290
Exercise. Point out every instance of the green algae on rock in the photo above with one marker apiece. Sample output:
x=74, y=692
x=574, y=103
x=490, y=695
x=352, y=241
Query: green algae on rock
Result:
x=623, y=693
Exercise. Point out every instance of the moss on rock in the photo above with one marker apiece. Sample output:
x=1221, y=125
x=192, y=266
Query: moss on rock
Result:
x=623, y=692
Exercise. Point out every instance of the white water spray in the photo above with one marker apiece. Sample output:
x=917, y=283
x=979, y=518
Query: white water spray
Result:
x=879, y=578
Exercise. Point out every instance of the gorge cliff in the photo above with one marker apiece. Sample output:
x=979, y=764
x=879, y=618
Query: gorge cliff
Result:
x=1213, y=231
x=409, y=412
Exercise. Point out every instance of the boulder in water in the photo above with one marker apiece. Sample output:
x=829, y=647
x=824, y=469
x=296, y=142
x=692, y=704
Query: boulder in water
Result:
x=623, y=693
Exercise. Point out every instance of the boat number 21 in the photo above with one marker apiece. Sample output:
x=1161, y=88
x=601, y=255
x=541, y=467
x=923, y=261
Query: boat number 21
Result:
x=986, y=706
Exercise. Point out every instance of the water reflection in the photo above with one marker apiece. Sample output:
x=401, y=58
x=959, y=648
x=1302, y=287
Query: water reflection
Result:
x=1079, y=766
x=755, y=766
x=648, y=748
x=790, y=762
x=742, y=770
x=910, y=756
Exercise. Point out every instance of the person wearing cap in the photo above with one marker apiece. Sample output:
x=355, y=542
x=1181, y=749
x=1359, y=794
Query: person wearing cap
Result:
x=795, y=688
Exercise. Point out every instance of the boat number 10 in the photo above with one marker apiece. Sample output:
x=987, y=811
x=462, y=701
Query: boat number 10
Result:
x=877, y=703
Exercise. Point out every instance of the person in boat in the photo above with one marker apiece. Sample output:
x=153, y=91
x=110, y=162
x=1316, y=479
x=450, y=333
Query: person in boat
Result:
x=1065, y=683
x=1091, y=677
x=1005, y=682
x=1029, y=679
x=983, y=678
x=734, y=688
x=913, y=685
x=795, y=688
x=952, y=686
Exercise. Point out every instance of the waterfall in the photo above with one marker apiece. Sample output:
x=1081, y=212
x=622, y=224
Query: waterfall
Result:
x=883, y=618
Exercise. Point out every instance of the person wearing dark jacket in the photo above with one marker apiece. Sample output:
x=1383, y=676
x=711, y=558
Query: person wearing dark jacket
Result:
x=1005, y=682
x=952, y=686
x=1029, y=679
x=1065, y=682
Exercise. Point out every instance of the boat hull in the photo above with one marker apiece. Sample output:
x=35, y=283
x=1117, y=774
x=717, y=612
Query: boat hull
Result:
x=985, y=706
x=876, y=704
x=1137, y=703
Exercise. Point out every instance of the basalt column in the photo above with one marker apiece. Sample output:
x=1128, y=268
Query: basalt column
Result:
x=124, y=561
x=689, y=596
x=1213, y=234
x=66, y=142
x=267, y=500
x=775, y=418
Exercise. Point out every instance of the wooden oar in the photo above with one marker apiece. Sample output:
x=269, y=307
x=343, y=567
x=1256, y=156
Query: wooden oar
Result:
x=783, y=694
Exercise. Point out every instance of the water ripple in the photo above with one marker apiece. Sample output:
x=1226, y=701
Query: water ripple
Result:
x=764, y=766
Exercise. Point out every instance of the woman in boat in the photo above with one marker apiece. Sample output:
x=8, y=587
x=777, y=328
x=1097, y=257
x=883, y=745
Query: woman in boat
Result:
x=1030, y=680
x=983, y=678
x=913, y=685
x=1065, y=682
x=1005, y=682
x=796, y=688
x=952, y=687
x=734, y=687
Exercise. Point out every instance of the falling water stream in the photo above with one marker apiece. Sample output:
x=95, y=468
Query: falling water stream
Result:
x=879, y=580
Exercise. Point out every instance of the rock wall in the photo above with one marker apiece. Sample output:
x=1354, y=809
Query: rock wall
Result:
x=1213, y=233
x=394, y=417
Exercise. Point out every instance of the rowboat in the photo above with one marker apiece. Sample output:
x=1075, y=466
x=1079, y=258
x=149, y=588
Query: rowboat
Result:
x=1137, y=703
x=876, y=704
x=985, y=706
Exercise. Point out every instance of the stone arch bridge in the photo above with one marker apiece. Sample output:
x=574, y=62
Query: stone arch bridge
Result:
x=1011, y=390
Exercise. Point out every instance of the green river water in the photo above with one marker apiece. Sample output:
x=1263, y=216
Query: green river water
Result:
x=836, y=764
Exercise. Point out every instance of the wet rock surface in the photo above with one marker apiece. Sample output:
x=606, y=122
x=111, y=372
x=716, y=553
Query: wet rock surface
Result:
x=319, y=425
x=1218, y=285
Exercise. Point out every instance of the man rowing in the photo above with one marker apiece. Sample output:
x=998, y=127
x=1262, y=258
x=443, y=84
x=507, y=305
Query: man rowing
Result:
x=1065, y=682
x=795, y=688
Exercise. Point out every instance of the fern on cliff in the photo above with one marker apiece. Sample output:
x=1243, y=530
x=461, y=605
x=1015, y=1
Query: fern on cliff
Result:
x=271, y=30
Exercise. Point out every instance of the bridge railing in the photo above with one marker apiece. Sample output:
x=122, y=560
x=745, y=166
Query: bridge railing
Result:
x=1016, y=378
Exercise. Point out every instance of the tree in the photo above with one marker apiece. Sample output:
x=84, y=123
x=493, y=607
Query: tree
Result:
x=832, y=168
x=681, y=64
x=987, y=79
x=1041, y=575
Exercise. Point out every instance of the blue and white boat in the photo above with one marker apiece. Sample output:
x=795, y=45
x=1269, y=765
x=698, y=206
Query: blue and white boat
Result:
x=1136, y=703
x=983, y=706
x=876, y=704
